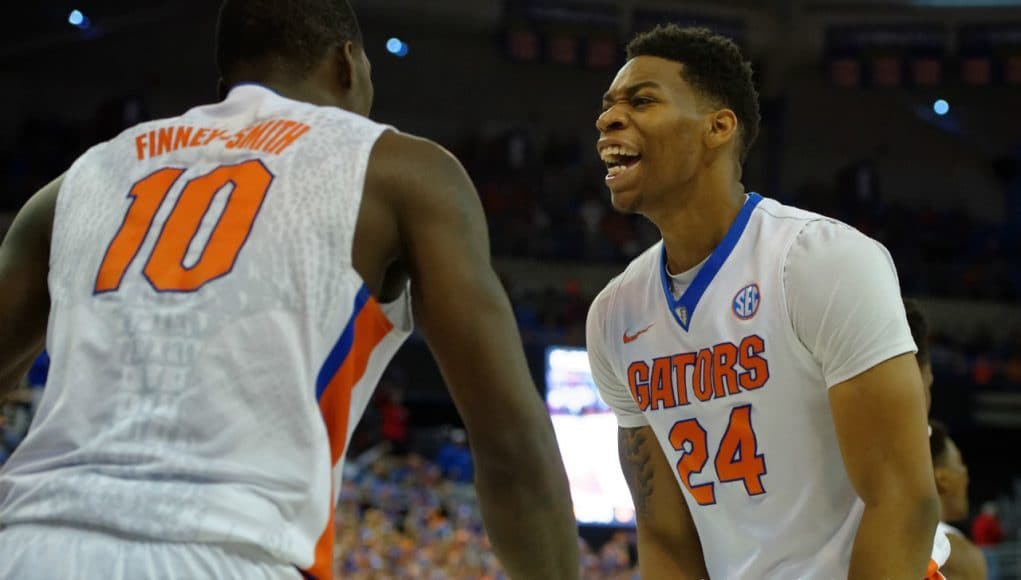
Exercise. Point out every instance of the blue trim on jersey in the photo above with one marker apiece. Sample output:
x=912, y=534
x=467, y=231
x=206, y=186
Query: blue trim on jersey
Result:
x=693, y=294
x=342, y=348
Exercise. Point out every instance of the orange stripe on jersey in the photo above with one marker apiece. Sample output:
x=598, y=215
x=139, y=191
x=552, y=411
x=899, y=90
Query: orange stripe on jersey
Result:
x=370, y=327
x=932, y=571
x=322, y=567
x=344, y=368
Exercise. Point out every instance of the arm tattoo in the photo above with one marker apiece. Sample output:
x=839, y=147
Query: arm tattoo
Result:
x=635, y=462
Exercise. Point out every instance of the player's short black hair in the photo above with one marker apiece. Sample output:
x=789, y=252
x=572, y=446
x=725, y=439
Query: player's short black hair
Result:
x=938, y=443
x=713, y=65
x=290, y=34
x=919, y=329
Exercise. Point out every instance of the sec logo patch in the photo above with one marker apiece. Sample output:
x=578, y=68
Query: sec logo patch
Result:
x=746, y=301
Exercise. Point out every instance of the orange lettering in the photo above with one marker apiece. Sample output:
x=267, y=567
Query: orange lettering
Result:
x=662, y=385
x=702, y=378
x=638, y=380
x=238, y=137
x=681, y=362
x=724, y=375
x=292, y=135
x=214, y=135
x=199, y=136
x=281, y=130
x=166, y=139
x=254, y=134
x=757, y=367
x=140, y=146
x=270, y=133
x=181, y=138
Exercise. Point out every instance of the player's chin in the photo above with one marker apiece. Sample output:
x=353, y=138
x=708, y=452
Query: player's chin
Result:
x=625, y=200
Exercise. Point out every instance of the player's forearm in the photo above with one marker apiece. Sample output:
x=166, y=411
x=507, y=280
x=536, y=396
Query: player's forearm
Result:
x=526, y=505
x=894, y=539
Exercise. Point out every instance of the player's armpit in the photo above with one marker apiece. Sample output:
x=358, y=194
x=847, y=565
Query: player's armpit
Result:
x=24, y=294
x=880, y=422
x=668, y=543
x=467, y=320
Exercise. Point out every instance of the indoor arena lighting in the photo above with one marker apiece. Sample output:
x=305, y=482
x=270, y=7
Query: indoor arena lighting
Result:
x=397, y=47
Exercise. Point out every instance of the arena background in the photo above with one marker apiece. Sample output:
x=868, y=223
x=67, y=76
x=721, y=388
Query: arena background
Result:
x=900, y=118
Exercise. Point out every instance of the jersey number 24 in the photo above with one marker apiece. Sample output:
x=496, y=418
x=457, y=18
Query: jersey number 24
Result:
x=165, y=267
x=737, y=459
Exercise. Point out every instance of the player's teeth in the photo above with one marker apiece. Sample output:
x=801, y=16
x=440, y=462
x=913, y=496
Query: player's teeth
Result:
x=615, y=170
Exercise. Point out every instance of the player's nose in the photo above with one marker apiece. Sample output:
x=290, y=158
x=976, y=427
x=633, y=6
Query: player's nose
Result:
x=612, y=119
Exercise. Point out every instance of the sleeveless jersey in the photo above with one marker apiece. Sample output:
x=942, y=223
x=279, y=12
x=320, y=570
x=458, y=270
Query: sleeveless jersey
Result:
x=212, y=346
x=738, y=403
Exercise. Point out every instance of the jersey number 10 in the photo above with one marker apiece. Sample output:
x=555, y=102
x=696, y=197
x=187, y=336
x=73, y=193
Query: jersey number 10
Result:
x=736, y=458
x=165, y=267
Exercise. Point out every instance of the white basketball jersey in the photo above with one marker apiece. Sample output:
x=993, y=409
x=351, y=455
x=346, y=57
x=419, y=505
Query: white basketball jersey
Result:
x=738, y=403
x=212, y=346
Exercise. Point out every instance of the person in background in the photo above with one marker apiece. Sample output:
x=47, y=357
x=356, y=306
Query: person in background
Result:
x=987, y=531
x=966, y=561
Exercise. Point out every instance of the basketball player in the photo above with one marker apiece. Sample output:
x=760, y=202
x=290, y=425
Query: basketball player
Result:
x=224, y=290
x=966, y=561
x=771, y=413
x=920, y=334
x=919, y=326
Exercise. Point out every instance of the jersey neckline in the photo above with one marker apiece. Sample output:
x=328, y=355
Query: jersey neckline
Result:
x=683, y=308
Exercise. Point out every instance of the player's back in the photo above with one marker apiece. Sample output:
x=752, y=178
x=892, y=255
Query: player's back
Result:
x=212, y=345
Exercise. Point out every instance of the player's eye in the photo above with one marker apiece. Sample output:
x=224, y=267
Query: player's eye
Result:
x=641, y=101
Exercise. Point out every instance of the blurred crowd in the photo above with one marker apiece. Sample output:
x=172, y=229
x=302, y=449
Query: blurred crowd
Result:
x=544, y=198
x=400, y=517
x=548, y=201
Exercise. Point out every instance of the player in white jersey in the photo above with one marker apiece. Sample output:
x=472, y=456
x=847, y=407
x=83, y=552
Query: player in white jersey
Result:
x=919, y=326
x=966, y=560
x=772, y=419
x=219, y=293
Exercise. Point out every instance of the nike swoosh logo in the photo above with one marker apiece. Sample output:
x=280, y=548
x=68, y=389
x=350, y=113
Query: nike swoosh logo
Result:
x=634, y=336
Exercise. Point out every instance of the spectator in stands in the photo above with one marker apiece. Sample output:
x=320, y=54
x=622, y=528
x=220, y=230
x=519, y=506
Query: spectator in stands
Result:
x=394, y=419
x=966, y=561
x=454, y=458
x=987, y=531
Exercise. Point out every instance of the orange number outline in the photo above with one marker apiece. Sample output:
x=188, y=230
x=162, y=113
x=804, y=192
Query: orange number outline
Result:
x=737, y=438
x=164, y=268
x=692, y=462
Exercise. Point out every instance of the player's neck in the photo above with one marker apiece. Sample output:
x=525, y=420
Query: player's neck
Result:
x=305, y=92
x=697, y=223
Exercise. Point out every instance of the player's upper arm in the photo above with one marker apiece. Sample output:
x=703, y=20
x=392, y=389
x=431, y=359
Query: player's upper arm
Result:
x=846, y=307
x=844, y=300
x=459, y=301
x=24, y=294
x=612, y=389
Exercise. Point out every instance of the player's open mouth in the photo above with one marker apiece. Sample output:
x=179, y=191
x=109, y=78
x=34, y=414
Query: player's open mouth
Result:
x=618, y=160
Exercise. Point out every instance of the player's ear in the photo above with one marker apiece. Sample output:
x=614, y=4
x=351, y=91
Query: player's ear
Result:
x=344, y=58
x=722, y=128
x=942, y=480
